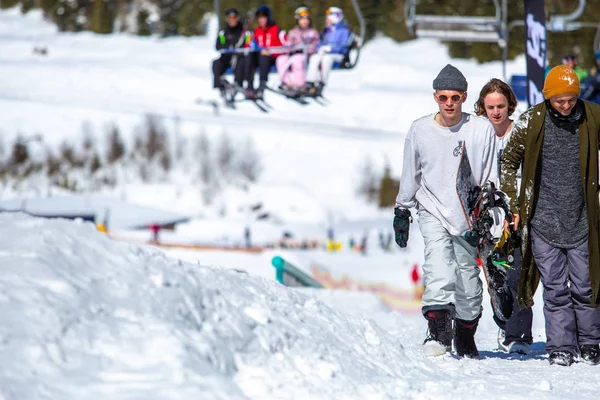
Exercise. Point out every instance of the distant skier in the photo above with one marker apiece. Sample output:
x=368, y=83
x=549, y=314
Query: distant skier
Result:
x=432, y=150
x=302, y=35
x=497, y=102
x=555, y=143
x=335, y=45
x=233, y=36
x=266, y=35
x=385, y=241
x=571, y=62
x=155, y=229
x=247, y=237
x=592, y=82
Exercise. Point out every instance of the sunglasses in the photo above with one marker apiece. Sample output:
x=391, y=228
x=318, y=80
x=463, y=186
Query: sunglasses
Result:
x=455, y=98
x=304, y=14
x=232, y=17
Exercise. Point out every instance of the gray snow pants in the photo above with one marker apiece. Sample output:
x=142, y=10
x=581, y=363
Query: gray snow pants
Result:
x=518, y=326
x=450, y=271
x=570, y=319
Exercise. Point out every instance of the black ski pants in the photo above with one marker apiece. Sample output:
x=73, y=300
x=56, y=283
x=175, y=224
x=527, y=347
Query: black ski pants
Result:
x=264, y=63
x=220, y=65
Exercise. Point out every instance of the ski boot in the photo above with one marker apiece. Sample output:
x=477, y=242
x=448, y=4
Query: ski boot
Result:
x=518, y=348
x=289, y=91
x=320, y=86
x=312, y=89
x=439, y=337
x=590, y=354
x=563, y=358
x=261, y=90
x=315, y=89
x=250, y=94
x=464, y=338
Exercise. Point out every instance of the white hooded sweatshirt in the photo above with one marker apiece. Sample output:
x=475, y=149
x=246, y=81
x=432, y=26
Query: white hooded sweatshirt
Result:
x=431, y=158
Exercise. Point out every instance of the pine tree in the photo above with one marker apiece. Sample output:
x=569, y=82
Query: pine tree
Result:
x=70, y=15
x=143, y=23
x=9, y=3
x=103, y=16
x=116, y=148
x=388, y=189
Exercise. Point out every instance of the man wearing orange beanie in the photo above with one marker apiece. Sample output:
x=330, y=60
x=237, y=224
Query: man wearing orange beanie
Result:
x=556, y=144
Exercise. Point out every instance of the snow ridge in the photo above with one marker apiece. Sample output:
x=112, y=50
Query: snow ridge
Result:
x=86, y=317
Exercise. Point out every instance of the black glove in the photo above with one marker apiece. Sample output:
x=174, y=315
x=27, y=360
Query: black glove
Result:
x=402, y=220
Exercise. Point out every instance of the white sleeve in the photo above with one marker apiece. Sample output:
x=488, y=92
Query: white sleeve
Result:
x=410, y=181
x=489, y=167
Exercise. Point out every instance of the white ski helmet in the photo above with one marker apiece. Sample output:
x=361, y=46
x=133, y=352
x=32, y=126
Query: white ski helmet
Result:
x=335, y=14
x=301, y=12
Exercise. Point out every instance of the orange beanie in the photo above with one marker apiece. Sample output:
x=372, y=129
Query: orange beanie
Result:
x=561, y=80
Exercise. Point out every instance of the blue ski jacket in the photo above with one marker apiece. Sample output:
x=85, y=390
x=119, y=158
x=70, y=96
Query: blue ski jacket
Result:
x=337, y=36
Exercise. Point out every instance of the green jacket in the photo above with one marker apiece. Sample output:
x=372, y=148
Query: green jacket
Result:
x=523, y=149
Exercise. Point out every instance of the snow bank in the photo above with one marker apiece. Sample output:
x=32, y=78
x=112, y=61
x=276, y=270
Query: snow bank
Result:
x=86, y=317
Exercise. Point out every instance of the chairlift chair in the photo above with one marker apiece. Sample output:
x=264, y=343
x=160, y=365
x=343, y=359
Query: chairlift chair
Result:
x=351, y=58
x=457, y=27
x=355, y=42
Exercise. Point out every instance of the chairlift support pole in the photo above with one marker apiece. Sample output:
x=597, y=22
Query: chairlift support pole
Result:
x=361, y=20
x=559, y=23
x=504, y=38
x=217, y=6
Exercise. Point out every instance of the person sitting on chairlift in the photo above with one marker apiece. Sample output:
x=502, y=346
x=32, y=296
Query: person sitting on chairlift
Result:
x=233, y=36
x=304, y=40
x=266, y=35
x=334, y=48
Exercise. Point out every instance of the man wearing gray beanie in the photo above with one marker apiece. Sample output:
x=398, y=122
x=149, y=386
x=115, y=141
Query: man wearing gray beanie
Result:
x=453, y=291
x=450, y=78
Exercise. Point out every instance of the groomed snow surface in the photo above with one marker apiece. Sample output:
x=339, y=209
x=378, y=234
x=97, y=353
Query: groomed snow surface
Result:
x=86, y=317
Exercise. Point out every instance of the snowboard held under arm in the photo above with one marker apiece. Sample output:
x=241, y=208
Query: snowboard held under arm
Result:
x=486, y=208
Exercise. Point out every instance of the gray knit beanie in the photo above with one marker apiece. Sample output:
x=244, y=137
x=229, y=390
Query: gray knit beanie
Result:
x=450, y=78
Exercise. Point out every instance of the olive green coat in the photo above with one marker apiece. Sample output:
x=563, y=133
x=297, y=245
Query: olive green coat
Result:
x=524, y=149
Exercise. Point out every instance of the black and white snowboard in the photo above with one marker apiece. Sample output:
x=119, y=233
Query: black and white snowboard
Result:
x=485, y=209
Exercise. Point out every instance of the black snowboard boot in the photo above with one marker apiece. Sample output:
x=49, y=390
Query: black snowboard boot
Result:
x=590, y=354
x=464, y=338
x=439, y=337
x=261, y=90
x=563, y=358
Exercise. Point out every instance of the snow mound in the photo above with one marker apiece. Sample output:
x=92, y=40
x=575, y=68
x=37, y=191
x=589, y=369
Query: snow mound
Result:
x=85, y=317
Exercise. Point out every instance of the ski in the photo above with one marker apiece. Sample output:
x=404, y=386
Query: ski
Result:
x=289, y=94
x=212, y=103
x=260, y=104
x=232, y=89
x=320, y=100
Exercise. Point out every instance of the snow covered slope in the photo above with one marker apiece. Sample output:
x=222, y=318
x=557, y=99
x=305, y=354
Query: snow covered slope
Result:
x=84, y=317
